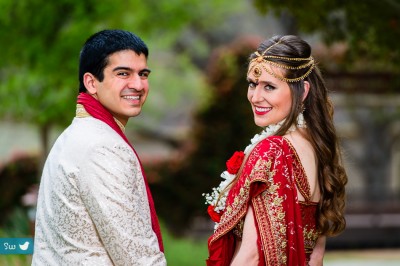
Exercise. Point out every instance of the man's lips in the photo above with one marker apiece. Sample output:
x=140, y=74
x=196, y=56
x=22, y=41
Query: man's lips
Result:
x=131, y=97
x=261, y=110
x=132, y=100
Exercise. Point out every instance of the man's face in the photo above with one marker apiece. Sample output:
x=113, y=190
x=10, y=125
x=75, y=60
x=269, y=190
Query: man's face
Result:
x=124, y=88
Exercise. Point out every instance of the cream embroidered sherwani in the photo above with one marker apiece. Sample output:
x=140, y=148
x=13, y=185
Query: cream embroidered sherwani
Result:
x=92, y=206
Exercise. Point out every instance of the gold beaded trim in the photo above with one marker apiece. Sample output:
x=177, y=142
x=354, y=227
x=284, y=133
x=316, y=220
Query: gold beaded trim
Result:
x=82, y=113
x=310, y=62
x=121, y=126
x=259, y=62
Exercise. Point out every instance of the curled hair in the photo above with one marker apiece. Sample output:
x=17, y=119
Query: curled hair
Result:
x=320, y=130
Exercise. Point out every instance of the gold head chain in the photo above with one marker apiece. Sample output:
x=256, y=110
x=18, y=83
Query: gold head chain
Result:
x=258, y=64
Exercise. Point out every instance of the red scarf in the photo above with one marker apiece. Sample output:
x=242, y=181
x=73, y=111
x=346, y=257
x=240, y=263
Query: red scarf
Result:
x=96, y=110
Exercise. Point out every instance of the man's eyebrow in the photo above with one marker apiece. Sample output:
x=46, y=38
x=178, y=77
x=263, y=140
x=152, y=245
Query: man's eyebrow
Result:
x=145, y=70
x=130, y=69
x=122, y=68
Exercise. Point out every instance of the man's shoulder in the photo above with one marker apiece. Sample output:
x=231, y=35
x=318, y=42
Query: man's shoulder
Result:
x=90, y=132
x=87, y=137
x=93, y=128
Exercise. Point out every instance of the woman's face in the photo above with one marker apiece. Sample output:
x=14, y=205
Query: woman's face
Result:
x=270, y=98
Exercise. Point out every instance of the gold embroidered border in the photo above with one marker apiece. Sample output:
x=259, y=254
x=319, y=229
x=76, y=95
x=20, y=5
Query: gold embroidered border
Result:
x=238, y=209
x=267, y=205
x=300, y=174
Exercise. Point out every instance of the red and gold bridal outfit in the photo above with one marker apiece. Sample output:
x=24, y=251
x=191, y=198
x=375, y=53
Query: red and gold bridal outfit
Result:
x=286, y=228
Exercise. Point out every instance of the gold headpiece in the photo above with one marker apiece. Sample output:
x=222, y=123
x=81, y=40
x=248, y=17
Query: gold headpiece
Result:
x=258, y=63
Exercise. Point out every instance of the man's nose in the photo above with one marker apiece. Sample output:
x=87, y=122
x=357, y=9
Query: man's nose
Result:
x=135, y=82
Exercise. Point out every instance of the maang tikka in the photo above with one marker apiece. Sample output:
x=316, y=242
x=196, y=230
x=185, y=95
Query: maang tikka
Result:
x=259, y=63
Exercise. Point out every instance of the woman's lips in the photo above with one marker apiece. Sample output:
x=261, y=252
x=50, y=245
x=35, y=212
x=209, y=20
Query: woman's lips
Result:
x=261, y=110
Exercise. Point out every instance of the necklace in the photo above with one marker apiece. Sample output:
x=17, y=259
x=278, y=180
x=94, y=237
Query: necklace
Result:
x=215, y=199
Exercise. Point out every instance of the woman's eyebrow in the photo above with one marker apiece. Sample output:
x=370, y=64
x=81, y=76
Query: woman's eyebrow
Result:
x=251, y=80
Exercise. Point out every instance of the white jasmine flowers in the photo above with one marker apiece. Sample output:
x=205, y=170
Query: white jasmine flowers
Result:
x=212, y=198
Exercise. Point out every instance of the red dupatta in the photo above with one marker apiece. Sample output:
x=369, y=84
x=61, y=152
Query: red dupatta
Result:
x=97, y=110
x=267, y=182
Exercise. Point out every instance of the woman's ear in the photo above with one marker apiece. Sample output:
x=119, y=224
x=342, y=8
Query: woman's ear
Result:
x=306, y=90
x=90, y=83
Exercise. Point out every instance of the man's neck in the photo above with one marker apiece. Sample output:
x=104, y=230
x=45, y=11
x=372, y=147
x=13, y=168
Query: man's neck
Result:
x=82, y=113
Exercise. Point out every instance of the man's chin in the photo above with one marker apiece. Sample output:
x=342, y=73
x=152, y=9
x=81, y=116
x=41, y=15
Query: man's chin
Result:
x=135, y=113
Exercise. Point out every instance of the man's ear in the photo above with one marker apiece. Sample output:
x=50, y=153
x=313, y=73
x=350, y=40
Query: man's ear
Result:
x=306, y=90
x=90, y=83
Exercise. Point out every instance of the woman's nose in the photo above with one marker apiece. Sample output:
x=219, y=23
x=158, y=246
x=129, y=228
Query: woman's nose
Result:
x=257, y=94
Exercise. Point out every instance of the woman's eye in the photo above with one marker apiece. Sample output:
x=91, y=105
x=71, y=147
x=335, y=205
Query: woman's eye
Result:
x=252, y=84
x=269, y=87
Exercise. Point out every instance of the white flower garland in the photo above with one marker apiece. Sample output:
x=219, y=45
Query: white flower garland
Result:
x=212, y=199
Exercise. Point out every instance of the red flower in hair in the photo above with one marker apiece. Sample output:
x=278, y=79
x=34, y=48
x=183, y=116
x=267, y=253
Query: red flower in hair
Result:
x=234, y=163
x=215, y=216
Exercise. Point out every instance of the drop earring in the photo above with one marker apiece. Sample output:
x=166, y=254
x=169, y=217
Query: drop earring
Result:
x=301, y=123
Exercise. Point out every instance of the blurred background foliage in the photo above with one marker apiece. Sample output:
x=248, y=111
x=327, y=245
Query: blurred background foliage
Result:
x=41, y=42
x=370, y=28
x=220, y=129
x=198, y=49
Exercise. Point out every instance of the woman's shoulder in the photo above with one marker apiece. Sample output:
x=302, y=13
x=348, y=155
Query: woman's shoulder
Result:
x=267, y=150
x=271, y=145
x=266, y=156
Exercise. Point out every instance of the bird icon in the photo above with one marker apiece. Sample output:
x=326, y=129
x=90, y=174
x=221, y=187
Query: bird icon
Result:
x=24, y=246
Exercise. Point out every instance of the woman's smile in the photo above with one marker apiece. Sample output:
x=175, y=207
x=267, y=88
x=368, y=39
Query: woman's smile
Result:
x=261, y=110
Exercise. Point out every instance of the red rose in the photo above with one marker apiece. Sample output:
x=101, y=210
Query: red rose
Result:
x=234, y=163
x=215, y=216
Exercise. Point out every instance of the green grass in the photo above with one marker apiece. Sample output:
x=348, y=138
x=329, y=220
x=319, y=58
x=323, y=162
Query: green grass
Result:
x=15, y=260
x=190, y=252
x=16, y=226
x=184, y=251
x=178, y=251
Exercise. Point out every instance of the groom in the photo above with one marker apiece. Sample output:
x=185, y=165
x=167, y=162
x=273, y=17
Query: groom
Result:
x=94, y=205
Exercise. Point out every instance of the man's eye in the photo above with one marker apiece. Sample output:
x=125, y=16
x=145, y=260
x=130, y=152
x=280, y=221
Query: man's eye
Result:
x=124, y=74
x=144, y=74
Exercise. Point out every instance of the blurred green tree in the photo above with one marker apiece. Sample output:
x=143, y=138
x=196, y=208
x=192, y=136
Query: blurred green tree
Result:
x=370, y=28
x=40, y=42
x=225, y=126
